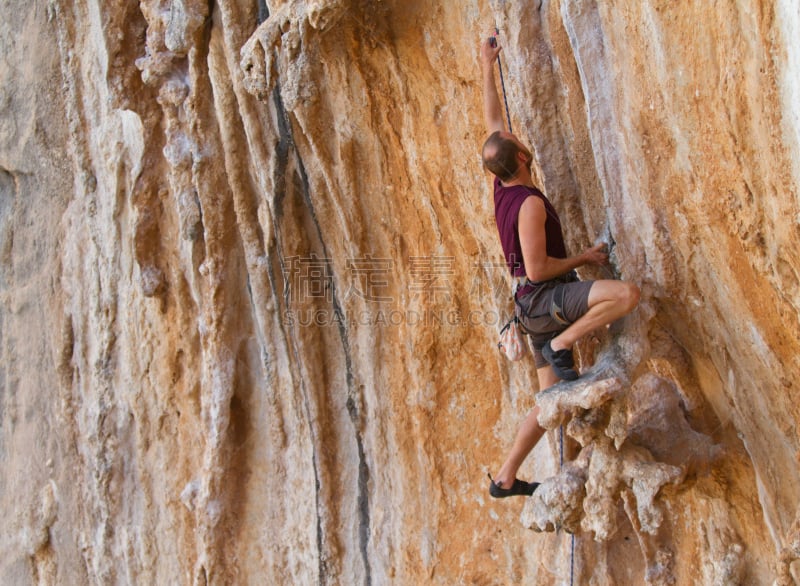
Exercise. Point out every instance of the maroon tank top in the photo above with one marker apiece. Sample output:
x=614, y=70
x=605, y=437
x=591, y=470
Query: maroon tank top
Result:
x=507, y=202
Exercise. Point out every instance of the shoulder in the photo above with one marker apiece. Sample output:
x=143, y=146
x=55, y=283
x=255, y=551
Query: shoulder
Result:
x=532, y=208
x=532, y=202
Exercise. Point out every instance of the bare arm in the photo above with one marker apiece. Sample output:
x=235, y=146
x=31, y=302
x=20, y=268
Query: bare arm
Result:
x=492, y=110
x=532, y=237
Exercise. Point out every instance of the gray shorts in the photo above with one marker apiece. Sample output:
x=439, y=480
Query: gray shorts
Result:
x=534, y=312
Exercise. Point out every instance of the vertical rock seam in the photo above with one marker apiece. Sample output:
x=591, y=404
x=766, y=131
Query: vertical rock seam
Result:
x=284, y=150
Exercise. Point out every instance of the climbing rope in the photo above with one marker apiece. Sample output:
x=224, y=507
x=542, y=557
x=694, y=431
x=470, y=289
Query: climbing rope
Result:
x=502, y=81
x=572, y=545
x=493, y=42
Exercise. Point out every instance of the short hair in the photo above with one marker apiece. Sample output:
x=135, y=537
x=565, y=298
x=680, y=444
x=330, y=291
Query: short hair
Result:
x=500, y=156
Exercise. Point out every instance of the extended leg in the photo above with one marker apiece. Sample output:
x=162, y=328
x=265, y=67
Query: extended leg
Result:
x=529, y=434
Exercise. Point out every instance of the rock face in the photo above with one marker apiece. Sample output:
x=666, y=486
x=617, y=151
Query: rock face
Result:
x=251, y=289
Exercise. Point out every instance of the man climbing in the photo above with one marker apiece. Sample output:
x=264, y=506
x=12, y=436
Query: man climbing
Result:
x=554, y=307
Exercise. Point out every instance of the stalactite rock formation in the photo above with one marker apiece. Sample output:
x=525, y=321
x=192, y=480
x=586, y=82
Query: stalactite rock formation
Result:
x=251, y=287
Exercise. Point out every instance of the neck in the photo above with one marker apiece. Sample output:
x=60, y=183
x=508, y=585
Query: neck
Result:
x=520, y=178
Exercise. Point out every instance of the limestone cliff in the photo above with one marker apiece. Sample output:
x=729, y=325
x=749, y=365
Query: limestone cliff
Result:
x=251, y=287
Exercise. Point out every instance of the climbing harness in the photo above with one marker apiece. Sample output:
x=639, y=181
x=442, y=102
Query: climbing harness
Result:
x=493, y=42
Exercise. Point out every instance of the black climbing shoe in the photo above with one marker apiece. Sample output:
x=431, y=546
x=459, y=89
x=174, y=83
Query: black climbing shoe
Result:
x=520, y=487
x=561, y=361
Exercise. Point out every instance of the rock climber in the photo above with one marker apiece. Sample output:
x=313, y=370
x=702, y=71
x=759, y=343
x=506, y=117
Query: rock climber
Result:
x=554, y=307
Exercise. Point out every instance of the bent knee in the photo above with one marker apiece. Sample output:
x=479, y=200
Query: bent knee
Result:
x=629, y=296
x=623, y=294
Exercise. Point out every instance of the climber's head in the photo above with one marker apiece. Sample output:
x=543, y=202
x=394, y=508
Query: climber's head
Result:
x=503, y=153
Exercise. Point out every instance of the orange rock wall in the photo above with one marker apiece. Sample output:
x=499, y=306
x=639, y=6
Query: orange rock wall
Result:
x=251, y=287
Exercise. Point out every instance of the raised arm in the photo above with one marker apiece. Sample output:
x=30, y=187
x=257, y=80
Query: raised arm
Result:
x=492, y=110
